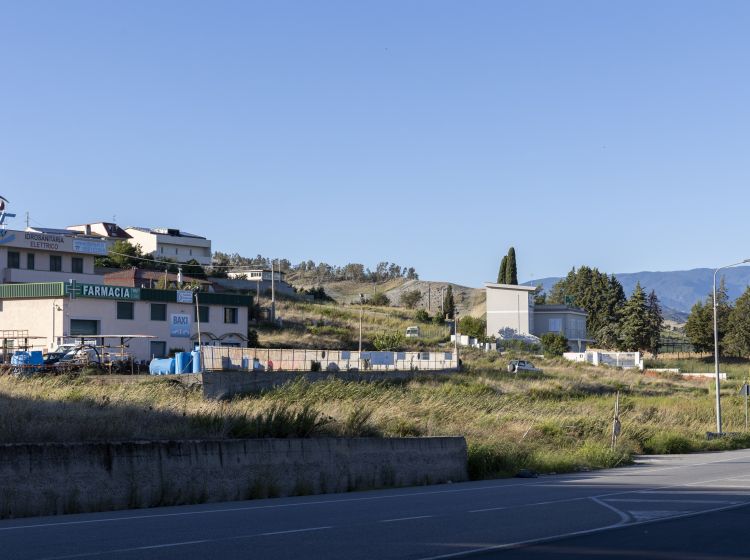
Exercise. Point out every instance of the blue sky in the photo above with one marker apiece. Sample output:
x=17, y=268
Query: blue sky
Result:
x=433, y=134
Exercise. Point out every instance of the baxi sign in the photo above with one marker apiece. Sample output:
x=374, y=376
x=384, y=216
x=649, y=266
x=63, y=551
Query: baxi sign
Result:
x=179, y=325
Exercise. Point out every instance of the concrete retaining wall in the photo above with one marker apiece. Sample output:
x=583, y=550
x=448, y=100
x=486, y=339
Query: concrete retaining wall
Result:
x=44, y=479
x=226, y=384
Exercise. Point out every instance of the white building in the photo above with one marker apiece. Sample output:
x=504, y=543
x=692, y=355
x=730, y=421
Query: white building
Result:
x=57, y=310
x=173, y=244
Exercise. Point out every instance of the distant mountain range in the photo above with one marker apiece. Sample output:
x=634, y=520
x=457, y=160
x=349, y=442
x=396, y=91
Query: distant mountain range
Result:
x=678, y=290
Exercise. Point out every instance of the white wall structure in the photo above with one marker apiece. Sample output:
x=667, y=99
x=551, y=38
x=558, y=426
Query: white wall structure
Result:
x=509, y=307
x=173, y=244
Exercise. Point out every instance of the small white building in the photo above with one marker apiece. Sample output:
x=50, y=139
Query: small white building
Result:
x=173, y=244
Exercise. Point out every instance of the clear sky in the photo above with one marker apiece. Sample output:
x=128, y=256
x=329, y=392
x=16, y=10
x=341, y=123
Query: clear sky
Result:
x=432, y=134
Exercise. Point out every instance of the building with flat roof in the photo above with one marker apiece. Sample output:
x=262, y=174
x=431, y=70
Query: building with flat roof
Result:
x=511, y=308
x=173, y=244
x=48, y=255
x=59, y=311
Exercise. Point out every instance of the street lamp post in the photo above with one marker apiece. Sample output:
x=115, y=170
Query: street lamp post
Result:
x=716, y=346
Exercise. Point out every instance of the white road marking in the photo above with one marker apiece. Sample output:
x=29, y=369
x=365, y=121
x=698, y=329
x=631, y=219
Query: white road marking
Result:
x=642, y=500
x=624, y=517
x=650, y=514
x=405, y=518
x=288, y=532
x=572, y=478
x=472, y=551
x=184, y=543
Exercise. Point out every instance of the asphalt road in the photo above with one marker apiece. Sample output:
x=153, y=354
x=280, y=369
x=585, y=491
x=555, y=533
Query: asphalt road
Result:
x=690, y=500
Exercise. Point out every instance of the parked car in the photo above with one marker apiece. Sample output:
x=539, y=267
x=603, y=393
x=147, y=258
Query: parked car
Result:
x=516, y=366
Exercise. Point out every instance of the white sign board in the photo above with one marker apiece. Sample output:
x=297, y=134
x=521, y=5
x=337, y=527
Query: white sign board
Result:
x=90, y=247
x=184, y=296
x=179, y=325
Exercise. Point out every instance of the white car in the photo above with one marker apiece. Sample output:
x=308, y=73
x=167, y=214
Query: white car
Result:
x=516, y=366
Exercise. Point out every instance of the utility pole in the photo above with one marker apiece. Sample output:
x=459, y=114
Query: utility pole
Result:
x=198, y=318
x=273, y=294
x=361, y=313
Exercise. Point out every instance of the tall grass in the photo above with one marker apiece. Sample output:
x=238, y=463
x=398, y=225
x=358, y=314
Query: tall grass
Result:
x=556, y=421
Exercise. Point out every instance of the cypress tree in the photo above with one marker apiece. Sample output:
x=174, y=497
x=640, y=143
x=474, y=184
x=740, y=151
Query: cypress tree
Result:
x=511, y=272
x=448, y=304
x=501, y=272
x=655, y=322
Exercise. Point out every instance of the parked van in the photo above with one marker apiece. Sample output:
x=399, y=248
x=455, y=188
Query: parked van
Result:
x=412, y=332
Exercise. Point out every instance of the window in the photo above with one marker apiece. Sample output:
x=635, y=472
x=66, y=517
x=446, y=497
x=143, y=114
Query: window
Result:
x=55, y=263
x=30, y=261
x=125, y=310
x=230, y=314
x=14, y=259
x=158, y=311
x=76, y=265
x=84, y=327
x=203, y=314
x=555, y=325
x=158, y=349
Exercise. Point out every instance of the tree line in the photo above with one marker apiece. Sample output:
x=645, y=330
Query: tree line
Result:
x=613, y=320
x=733, y=322
x=318, y=272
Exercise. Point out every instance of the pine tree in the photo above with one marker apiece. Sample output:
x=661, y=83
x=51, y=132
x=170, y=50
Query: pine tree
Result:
x=655, y=322
x=511, y=271
x=501, y=272
x=700, y=324
x=449, y=306
x=634, y=329
x=738, y=329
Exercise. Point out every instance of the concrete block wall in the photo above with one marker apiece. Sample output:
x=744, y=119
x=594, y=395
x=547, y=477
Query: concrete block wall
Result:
x=54, y=478
x=218, y=385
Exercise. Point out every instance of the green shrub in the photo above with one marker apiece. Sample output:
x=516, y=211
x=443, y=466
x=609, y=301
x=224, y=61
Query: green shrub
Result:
x=554, y=344
x=473, y=326
x=388, y=340
x=665, y=443
x=422, y=316
x=379, y=299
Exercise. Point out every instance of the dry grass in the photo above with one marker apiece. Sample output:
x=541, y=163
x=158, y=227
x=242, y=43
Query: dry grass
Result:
x=336, y=327
x=556, y=421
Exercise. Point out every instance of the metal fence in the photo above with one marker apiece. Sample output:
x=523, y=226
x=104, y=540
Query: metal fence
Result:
x=222, y=358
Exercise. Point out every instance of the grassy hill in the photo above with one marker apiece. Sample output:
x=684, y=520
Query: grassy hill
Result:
x=336, y=326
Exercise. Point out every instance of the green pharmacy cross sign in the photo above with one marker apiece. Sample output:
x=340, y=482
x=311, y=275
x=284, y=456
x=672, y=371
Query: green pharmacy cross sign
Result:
x=74, y=290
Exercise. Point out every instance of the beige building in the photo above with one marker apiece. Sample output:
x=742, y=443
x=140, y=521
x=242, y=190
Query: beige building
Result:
x=48, y=255
x=57, y=310
x=509, y=307
x=173, y=244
